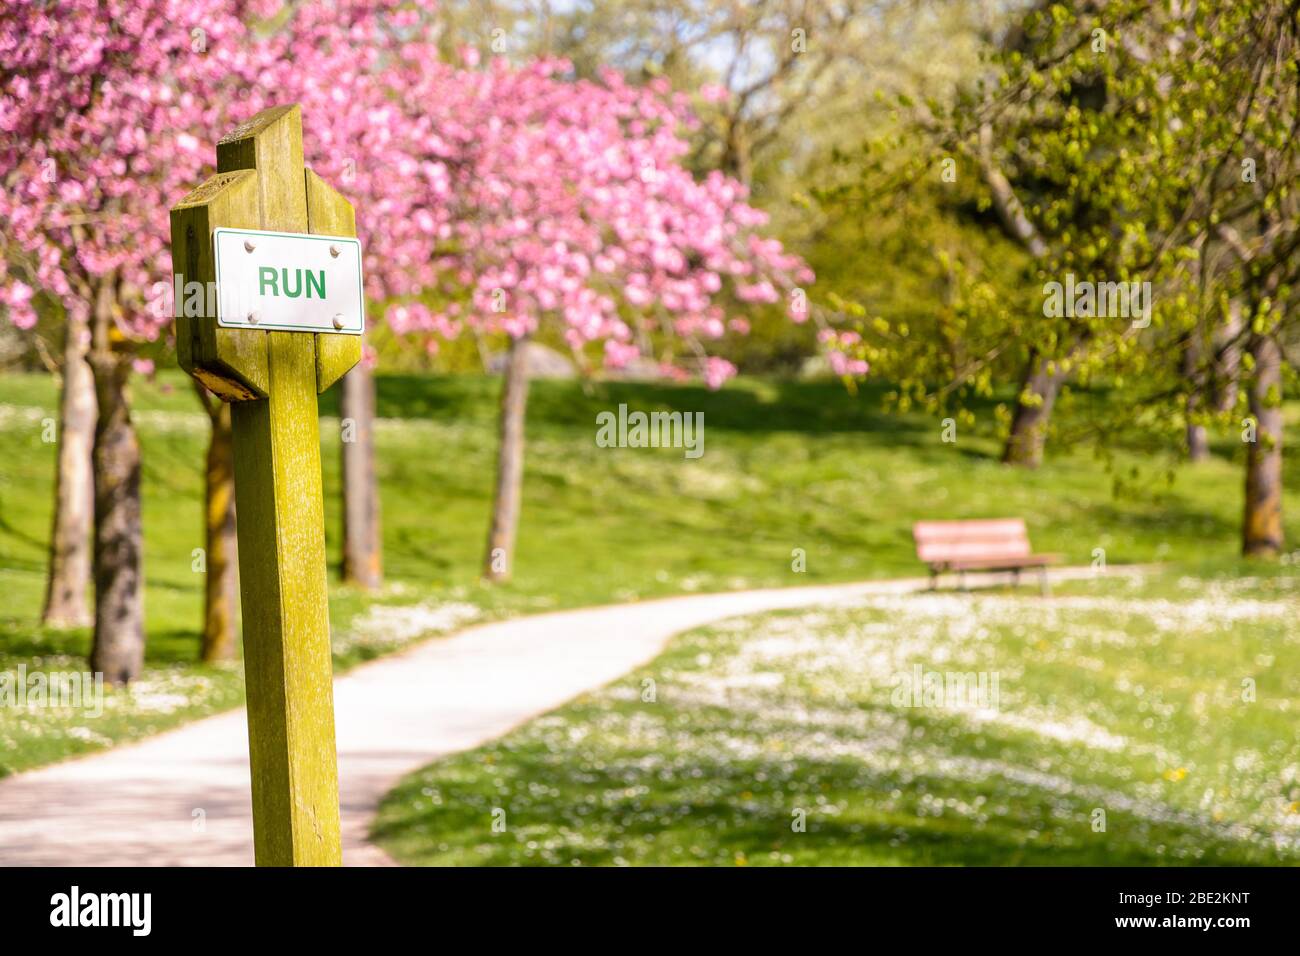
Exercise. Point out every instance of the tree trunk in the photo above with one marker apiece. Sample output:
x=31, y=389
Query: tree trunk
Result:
x=118, y=648
x=1227, y=359
x=74, y=491
x=221, y=580
x=1028, y=434
x=499, y=560
x=735, y=153
x=1262, y=524
x=362, y=547
x=1198, y=442
x=1008, y=205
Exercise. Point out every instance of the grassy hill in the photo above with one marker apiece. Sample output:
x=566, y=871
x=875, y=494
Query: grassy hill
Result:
x=1143, y=721
x=786, y=466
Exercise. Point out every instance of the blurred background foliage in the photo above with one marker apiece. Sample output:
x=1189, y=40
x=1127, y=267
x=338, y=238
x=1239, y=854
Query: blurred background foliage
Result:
x=809, y=84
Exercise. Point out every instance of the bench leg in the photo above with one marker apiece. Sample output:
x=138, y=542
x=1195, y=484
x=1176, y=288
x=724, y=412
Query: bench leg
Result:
x=934, y=579
x=962, y=579
x=1044, y=585
x=1015, y=577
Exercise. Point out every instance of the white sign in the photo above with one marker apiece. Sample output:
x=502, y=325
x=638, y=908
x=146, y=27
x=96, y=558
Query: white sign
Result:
x=289, y=282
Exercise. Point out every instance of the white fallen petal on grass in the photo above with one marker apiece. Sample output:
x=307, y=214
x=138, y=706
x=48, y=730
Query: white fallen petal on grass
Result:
x=387, y=625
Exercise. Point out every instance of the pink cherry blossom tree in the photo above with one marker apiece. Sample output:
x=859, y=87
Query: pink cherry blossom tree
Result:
x=529, y=199
x=514, y=196
x=108, y=110
x=96, y=101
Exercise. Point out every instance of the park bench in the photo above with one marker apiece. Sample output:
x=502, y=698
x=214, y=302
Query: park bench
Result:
x=999, y=544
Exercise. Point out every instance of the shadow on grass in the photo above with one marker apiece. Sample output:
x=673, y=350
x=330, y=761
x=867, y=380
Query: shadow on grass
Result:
x=22, y=638
x=673, y=823
x=748, y=405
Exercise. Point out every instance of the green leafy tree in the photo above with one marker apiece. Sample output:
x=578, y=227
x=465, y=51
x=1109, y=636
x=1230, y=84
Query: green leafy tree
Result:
x=1119, y=143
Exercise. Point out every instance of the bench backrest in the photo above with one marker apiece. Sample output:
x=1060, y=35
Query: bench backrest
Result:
x=939, y=541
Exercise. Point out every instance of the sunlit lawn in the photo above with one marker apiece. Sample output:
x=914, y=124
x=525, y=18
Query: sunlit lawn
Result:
x=1132, y=723
x=786, y=465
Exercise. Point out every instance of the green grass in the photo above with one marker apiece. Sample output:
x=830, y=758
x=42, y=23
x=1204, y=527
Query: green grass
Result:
x=1118, y=733
x=786, y=465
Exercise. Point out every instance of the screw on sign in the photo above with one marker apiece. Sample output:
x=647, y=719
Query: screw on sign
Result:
x=269, y=352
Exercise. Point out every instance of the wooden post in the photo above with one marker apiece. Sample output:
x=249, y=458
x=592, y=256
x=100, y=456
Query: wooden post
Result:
x=272, y=379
